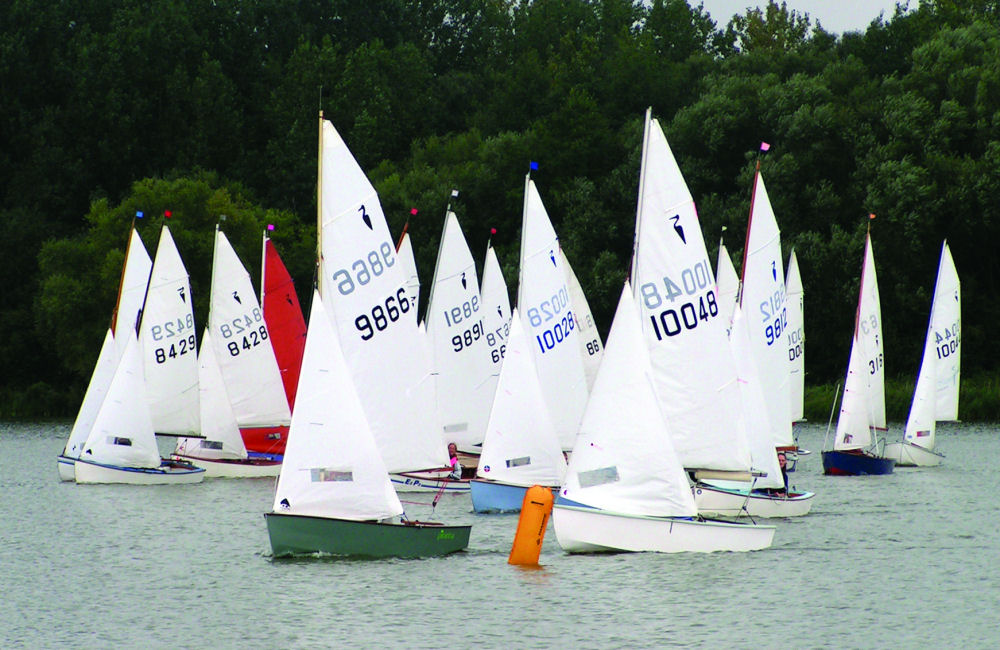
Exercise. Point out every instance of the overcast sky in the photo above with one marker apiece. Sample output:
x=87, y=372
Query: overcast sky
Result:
x=837, y=16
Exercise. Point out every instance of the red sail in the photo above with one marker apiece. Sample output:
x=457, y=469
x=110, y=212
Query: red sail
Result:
x=283, y=316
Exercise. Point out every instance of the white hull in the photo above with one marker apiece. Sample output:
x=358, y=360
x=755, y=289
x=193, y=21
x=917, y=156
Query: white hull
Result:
x=907, y=454
x=88, y=472
x=588, y=530
x=429, y=481
x=233, y=468
x=721, y=502
x=67, y=468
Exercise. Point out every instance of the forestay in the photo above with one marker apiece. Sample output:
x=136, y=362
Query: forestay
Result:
x=694, y=372
x=169, y=345
x=623, y=460
x=363, y=288
x=728, y=284
x=332, y=466
x=546, y=312
x=521, y=446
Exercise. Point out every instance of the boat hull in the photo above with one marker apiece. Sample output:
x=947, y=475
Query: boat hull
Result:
x=839, y=463
x=907, y=454
x=492, y=496
x=67, y=468
x=266, y=440
x=718, y=501
x=430, y=481
x=305, y=535
x=580, y=529
x=169, y=473
x=233, y=468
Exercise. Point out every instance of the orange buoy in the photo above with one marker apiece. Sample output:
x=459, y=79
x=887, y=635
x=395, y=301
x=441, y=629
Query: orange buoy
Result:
x=535, y=511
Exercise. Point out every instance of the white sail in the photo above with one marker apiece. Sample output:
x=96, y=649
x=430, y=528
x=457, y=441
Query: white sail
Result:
x=100, y=381
x=169, y=344
x=728, y=285
x=412, y=281
x=122, y=434
x=947, y=324
x=221, y=433
x=591, y=349
x=547, y=315
x=754, y=396
x=623, y=460
x=496, y=311
x=135, y=279
x=242, y=343
x=862, y=408
x=795, y=339
x=332, y=466
x=457, y=334
x=762, y=300
x=363, y=289
x=521, y=445
x=693, y=368
x=937, y=382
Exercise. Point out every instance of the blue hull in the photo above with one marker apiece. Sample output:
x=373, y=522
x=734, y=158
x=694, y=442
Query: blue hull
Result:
x=490, y=496
x=839, y=463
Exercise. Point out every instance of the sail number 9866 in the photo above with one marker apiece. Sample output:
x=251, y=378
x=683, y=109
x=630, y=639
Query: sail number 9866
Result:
x=362, y=270
x=383, y=316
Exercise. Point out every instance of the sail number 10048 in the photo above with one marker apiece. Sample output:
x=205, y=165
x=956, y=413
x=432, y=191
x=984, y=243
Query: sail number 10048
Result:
x=686, y=315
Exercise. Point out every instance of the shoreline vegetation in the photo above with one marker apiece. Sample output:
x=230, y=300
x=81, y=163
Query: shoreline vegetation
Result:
x=979, y=401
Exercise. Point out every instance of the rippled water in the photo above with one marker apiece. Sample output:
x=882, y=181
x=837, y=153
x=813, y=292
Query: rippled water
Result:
x=907, y=560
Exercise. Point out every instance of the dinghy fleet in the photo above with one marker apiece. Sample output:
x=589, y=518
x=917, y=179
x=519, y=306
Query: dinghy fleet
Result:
x=671, y=437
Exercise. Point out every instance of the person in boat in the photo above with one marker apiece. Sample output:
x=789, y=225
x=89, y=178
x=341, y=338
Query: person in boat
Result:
x=783, y=464
x=456, y=467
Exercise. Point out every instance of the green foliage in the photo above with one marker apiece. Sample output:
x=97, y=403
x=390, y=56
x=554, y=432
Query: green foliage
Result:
x=208, y=108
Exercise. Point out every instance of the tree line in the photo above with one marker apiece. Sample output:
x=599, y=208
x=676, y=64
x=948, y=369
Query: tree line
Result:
x=208, y=108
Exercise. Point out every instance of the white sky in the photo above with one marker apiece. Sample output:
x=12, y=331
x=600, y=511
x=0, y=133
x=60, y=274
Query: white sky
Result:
x=837, y=16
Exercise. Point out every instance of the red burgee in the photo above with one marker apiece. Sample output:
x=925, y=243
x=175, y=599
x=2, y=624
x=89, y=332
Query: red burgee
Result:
x=283, y=316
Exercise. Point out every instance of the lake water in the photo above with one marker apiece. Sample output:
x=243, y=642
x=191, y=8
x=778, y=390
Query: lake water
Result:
x=907, y=560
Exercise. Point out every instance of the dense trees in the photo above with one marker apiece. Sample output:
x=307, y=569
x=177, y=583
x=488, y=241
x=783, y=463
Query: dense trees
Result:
x=208, y=108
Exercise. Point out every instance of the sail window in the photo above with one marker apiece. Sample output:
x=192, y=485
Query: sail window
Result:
x=118, y=440
x=456, y=428
x=600, y=476
x=211, y=444
x=519, y=462
x=323, y=475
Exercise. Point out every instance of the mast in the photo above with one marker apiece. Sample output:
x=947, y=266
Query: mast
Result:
x=319, y=210
x=746, y=241
x=638, y=208
x=121, y=277
x=524, y=212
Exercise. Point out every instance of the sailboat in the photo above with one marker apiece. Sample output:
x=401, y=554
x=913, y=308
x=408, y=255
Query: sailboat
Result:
x=756, y=337
x=363, y=288
x=132, y=289
x=547, y=314
x=862, y=408
x=935, y=397
x=334, y=495
x=243, y=355
x=121, y=446
x=457, y=336
x=591, y=349
x=625, y=487
x=521, y=448
x=795, y=340
x=169, y=344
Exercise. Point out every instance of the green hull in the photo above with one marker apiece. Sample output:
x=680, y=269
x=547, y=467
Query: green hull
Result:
x=304, y=535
